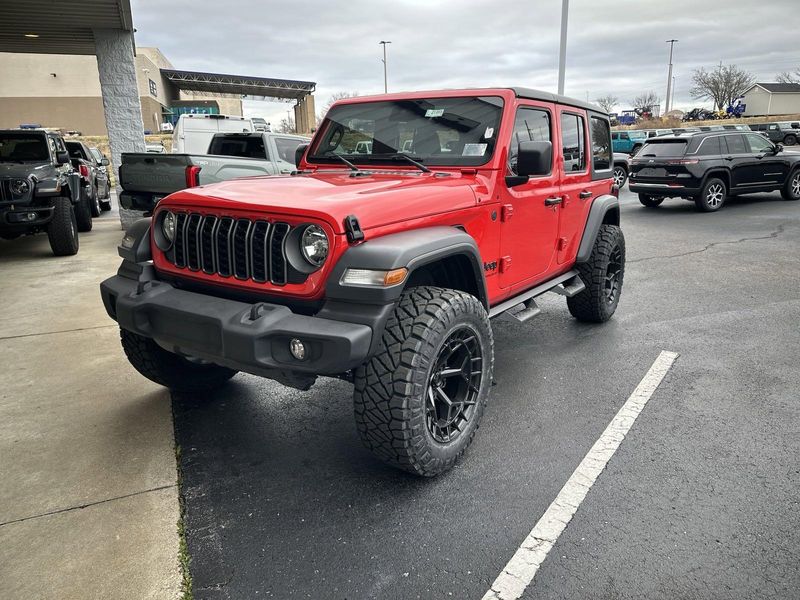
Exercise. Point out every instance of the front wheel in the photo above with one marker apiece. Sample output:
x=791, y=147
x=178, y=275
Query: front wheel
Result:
x=602, y=274
x=650, y=201
x=712, y=196
x=62, y=231
x=420, y=399
x=790, y=140
x=791, y=188
x=635, y=149
x=171, y=370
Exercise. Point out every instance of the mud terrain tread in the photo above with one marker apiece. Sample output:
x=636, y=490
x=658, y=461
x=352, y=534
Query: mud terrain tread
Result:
x=590, y=305
x=389, y=419
x=63, y=238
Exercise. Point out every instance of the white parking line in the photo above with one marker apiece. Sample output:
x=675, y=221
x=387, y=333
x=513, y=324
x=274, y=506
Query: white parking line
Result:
x=521, y=569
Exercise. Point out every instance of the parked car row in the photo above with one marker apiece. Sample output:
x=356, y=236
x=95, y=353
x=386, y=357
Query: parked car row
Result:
x=631, y=141
x=49, y=185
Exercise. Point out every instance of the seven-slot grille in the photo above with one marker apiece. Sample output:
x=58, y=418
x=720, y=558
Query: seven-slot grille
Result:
x=228, y=246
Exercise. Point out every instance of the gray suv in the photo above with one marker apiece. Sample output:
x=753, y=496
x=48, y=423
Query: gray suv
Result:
x=783, y=132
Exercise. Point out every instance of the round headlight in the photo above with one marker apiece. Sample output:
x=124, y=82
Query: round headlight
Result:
x=20, y=187
x=168, y=226
x=314, y=245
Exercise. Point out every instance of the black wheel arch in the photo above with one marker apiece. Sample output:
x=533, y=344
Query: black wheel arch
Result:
x=442, y=256
x=604, y=211
x=723, y=174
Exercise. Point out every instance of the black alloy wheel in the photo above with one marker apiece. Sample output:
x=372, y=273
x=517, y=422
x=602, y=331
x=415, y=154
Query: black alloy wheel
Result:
x=454, y=385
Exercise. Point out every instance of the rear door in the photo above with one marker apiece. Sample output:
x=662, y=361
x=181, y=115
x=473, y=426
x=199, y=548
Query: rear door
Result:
x=577, y=188
x=529, y=212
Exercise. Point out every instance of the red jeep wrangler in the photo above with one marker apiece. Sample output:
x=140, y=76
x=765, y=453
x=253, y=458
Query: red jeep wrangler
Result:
x=382, y=262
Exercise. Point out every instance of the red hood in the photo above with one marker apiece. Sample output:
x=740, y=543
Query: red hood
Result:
x=376, y=199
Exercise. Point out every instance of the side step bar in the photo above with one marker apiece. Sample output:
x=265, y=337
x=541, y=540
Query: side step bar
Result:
x=568, y=284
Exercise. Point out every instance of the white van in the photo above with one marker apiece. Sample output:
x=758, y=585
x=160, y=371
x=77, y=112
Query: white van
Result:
x=193, y=133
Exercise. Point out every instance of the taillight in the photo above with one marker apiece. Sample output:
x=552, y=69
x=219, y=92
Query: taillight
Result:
x=84, y=170
x=192, y=176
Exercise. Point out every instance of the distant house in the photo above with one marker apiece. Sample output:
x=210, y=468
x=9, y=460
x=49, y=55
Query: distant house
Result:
x=765, y=99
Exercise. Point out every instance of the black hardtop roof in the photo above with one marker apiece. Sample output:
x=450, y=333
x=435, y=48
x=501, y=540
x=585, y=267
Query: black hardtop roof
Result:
x=532, y=94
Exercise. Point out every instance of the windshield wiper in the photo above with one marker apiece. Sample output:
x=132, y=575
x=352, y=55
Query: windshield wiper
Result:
x=341, y=158
x=407, y=158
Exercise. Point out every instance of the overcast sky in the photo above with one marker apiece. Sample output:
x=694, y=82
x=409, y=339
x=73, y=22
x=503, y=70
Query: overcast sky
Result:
x=615, y=46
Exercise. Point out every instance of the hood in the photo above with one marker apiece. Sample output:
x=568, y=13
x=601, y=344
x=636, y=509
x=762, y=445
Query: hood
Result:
x=376, y=199
x=15, y=169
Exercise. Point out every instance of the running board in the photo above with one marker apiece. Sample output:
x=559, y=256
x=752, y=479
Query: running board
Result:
x=572, y=285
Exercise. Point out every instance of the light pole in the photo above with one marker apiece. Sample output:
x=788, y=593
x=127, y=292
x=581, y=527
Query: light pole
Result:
x=669, y=76
x=672, y=98
x=385, y=79
x=562, y=53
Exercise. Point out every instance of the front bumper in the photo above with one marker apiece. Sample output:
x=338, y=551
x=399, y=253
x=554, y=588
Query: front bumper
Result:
x=24, y=217
x=247, y=337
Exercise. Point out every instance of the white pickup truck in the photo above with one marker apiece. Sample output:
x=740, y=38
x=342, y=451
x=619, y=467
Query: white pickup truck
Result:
x=146, y=178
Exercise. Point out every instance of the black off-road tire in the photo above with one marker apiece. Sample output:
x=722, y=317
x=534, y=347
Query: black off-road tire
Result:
x=83, y=212
x=594, y=304
x=791, y=189
x=650, y=201
x=94, y=200
x=391, y=389
x=170, y=370
x=712, y=196
x=635, y=149
x=105, y=205
x=62, y=231
x=790, y=140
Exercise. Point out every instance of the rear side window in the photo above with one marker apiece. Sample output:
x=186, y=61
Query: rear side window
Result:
x=573, y=143
x=601, y=144
x=736, y=144
x=663, y=149
x=531, y=125
x=244, y=147
x=710, y=147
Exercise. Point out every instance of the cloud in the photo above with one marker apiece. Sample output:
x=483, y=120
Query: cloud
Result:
x=615, y=47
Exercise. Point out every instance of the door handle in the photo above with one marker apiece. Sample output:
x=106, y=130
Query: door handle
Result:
x=728, y=158
x=553, y=201
x=585, y=194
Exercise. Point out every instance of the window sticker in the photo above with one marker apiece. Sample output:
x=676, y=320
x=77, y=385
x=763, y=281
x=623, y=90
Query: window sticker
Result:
x=487, y=135
x=474, y=149
x=434, y=112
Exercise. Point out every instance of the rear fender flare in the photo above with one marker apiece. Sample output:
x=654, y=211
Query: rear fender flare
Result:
x=604, y=209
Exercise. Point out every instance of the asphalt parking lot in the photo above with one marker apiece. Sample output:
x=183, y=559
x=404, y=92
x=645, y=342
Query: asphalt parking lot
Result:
x=700, y=500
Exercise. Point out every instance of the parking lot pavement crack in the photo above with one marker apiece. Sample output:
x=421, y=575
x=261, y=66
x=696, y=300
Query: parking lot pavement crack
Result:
x=24, y=335
x=779, y=230
x=87, y=505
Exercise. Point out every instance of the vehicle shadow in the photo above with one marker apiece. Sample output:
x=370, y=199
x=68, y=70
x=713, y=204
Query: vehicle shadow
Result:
x=732, y=203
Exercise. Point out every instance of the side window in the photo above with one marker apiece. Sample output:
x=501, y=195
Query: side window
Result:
x=530, y=125
x=710, y=147
x=601, y=144
x=624, y=136
x=736, y=144
x=573, y=143
x=286, y=148
x=773, y=128
x=758, y=143
x=614, y=136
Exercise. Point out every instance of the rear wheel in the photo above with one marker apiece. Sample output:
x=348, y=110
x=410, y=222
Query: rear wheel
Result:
x=635, y=149
x=83, y=212
x=620, y=176
x=105, y=205
x=790, y=140
x=712, y=196
x=171, y=370
x=62, y=231
x=419, y=401
x=603, y=275
x=650, y=201
x=791, y=189
x=94, y=199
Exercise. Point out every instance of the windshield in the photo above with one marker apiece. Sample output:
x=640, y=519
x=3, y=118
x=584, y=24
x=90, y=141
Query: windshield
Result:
x=433, y=131
x=23, y=146
x=671, y=149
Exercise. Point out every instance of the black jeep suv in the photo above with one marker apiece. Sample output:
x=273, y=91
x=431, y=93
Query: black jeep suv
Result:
x=709, y=166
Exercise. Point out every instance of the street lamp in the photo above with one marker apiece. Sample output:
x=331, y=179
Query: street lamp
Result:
x=562, y=53
x=385, y=80
x=669, y=77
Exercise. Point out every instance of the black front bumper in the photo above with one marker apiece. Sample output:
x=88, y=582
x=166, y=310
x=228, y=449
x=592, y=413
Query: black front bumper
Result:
x=247, y=337
x=19, y=217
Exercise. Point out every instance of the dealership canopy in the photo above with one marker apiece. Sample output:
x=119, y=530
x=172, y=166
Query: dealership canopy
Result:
x=238, y=85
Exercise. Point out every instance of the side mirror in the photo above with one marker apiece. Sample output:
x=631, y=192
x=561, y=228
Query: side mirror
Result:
x=533, y=159
x=778, y=148
x=62, y=157
x=298, y=154
x=104, y=161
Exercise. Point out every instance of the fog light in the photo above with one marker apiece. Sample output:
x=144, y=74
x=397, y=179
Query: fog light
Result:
x=298, y=349
x=30, y=216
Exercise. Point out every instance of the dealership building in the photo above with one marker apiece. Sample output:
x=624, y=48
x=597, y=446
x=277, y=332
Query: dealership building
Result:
x=63, y=91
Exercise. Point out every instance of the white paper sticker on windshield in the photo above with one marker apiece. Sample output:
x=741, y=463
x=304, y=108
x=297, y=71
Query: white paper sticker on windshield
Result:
x=488, y=133
x=474, y=150
x=434, y=112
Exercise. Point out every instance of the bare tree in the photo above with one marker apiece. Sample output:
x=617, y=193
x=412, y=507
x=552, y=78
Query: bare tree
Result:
x=722, y=85
x=331, y=99
x=789, y=77
x=645, y=103
x=286, y=125
x=607, y=103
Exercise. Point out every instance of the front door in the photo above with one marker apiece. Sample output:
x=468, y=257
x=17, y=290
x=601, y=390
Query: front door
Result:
x=769, y=169
x=529, y=212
